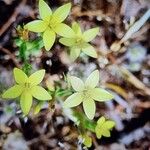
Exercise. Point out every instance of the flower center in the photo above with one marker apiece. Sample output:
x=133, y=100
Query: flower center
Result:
x=27, y=85
x=86, y=94
x=79, y=40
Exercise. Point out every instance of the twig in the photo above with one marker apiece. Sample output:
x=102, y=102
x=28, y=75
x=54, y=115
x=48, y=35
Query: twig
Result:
x=76, y=12
x=13, y=58
x=134, y=81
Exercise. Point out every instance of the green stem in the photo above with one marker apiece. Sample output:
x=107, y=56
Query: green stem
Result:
x=22, y=53
x=85, y=123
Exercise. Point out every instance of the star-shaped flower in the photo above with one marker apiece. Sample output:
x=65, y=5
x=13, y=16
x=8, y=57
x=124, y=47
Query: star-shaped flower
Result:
x=51, y=23
x=27, y=87
x=79, y=42
x=87, y=92
x=103, y=127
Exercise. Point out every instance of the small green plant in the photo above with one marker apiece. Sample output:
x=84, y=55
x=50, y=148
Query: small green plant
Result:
x=26, y=88
x=103, y=127
x=87, y=93
x=51, y=23
x=27, y=85
x=79, y=42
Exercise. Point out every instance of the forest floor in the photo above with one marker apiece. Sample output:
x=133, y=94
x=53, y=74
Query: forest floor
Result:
x=123, y=62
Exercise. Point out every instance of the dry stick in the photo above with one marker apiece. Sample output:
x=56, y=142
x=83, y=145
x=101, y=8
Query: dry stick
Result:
x=134, y=80
x=12, y=18
x=116, y=46
x=13, y=58
x=76, y=12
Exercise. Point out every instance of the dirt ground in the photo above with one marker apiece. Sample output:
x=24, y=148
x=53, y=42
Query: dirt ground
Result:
x=123, y=62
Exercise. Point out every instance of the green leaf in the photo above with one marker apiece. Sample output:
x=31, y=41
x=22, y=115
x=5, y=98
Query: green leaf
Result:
x=67, y=41
x=89, y=50
x=44, y=10
x=36, y=26
x=49, y=38
x=90, y=34
x=34, y=46
x=89, y=108
x=76, y=83
x=64, y=30
x=26, y=102
x=73, y=100
x=76, y=28
x=13, y=92
x=20, y=76
x=61, y=13
x=36, y=77
x=101, y=95
x=92, y=80
x=22, y=51
x=40, y=93
x=74, y=53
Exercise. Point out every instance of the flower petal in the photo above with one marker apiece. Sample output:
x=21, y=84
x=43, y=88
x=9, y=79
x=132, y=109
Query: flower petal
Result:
x=67, y=41
x=76, y=83
x=36, y=77
x=74, y=53
x=61, y=13
x=90, y=34
x=101, y=95
x=40, y=93
x=105, y=132
x=13, y=92
x=36, y=26
x=89, y=108
x=92, y=80
x=98, y=132
x=64, y=30
x=101, y=121
x=26, y=102
x=44, y=10
x=49, y=38
x=76, y=28
x=109, y=124
x=20, y=76
x=89, y=50
x=73, y=100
